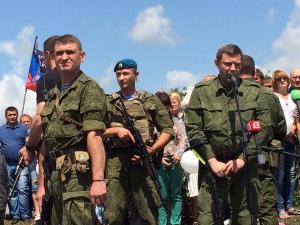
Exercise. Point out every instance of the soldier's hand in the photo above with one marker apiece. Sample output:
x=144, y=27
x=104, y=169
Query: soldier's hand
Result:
x=98, y=192
x=234, y=166
x=150, y=150
x=217, y=167
x=40, y=194
x=27, y=155
x=135, y=159
x=125, y=135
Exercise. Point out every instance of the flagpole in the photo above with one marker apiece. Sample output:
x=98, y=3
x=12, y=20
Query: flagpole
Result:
x=25, y=94
x=23, y=105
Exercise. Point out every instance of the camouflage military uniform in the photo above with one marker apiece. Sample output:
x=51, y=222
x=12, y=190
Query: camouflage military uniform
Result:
x=84, y=102
x=212, y=120
x=124, y=178
x=268, y=210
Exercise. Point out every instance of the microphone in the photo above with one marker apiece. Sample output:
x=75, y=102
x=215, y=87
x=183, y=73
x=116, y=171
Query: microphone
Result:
x=232, y=78
x=295, y=95
x=254, y=128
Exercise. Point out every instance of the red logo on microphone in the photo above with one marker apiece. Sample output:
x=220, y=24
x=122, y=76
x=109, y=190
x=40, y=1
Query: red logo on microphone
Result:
x=253, y=126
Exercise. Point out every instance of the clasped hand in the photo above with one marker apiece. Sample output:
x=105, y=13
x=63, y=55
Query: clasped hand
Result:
x=222, y=169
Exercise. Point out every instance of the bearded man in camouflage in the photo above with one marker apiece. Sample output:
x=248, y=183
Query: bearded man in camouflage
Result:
x=125, y=174
x=214, y=129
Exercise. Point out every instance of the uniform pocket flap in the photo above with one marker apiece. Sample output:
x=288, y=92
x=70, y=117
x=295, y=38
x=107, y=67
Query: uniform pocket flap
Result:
x=93, y=106
x=214, y=106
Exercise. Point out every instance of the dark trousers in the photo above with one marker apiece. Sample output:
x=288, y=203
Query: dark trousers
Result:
x=2, y=214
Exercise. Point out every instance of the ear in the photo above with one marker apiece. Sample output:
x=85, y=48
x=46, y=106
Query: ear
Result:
x=46, y=54
x=82, y=55
x=217, y=63
x=136, y=74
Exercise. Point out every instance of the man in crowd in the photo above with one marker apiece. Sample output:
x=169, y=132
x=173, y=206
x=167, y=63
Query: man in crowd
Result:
x=12, y=139
x=295, y=79
x=258, y=76
x=72, y=122
x=27, y=120
x=125, y=173
x=214, y=129
x=44, y=85
x=268, y=196
x=267, y=83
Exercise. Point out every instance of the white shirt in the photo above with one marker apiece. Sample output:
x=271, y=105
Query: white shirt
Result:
x=289, y=108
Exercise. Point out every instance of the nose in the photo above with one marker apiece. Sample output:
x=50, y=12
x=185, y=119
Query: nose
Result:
x=121, y=76
x=64, y=56
x=232, y=67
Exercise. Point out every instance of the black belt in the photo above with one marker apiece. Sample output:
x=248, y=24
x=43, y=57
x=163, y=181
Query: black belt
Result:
x=227, y=157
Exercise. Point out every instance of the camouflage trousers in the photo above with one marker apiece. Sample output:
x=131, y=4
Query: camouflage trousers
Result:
x=71, y=202
x=232, y=192
x=126, y=181
x=268, y=197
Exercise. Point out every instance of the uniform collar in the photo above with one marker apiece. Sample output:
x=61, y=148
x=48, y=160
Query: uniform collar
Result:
x=221, y=89
x=56, y=89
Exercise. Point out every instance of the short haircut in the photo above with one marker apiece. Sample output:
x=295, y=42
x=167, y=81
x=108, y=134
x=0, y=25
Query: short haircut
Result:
x=229, y=49
x=266, y=80
x=278, y=74
x=12, y=109
x=259, y=73
x=69, y=38
x=164, y=98
x=176, y=96
x=49, y=44
x=26, y=115
x=248, y=65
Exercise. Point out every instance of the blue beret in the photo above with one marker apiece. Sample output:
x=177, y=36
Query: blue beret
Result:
x=125, y=64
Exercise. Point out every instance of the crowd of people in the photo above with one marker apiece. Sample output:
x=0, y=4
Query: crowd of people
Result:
x=85, y=161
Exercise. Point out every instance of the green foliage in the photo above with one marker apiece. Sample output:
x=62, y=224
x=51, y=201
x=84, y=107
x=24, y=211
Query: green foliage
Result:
x=181, y=92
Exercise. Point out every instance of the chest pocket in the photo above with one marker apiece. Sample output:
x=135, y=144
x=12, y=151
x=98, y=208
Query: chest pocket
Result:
x=212, y=116
x=70, y=110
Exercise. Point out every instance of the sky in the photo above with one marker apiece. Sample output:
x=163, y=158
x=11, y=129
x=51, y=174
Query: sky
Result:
x=174, y=42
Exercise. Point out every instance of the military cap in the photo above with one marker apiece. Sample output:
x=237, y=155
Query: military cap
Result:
x=125, y=64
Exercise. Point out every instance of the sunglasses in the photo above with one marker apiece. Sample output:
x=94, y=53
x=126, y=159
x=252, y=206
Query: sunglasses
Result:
x=281, y=78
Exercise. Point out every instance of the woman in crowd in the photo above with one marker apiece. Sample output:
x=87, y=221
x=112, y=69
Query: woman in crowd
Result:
x=170, y=173
x=285, y=172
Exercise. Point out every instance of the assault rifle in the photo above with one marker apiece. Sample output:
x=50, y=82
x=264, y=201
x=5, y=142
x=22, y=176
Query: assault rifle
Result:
x=141, y=149
x=18, y=171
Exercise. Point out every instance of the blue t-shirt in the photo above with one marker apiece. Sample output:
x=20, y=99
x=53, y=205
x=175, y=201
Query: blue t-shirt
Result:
x=12, y=139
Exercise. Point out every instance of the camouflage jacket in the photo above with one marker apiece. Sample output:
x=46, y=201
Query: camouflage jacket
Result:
x=156, y=114
x=84, y=102
x=211, y=118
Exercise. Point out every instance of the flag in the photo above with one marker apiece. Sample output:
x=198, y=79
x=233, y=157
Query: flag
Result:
x=37, y=68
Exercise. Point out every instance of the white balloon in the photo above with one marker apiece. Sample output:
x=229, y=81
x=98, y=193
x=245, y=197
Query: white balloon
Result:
x=189, y=162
